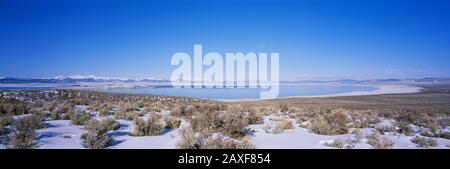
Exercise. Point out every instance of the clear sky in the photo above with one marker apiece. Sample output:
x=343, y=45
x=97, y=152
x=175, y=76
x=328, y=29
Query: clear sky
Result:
x=316, y=39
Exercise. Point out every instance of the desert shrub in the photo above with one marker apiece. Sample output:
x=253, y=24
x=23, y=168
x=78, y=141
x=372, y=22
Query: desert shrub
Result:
x=205, y=120
x=254, y=118
x=110, y=124
x=105, y=109
x=55, y=115
x=172, y=122
x=282, y=125
x=94, y=125
x=232, y=123
x=152, y=109
x=336, y=143
x=384, y=129
x=334, y=122
x=102, y=126
x=413, y=117
x=443, y=134
x=284, y=108
x=338, y=121
x=424, y=142
x=379, y=142
x=433, y=126
x=405, y=129
x=4, y=122
x=96, y=136
x=96, y=140
x=127, y=112
x=206, y=140
x=221, y=142
x=151, y=127
x=78, y=117
x=189, y=140
x=13, y=107
x=444, y=121
x=179, y=112
x=301, y=117
x=24, y=134
x=320, y=126
x=37, y=121
x=364, y=119
x=358, y=135
x=80, y=101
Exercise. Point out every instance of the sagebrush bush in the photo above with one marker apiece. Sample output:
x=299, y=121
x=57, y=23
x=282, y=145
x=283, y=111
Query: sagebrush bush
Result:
x=205, y=120
x=13, y=107
x=189, y=140
x=364, y=119
x=221, y=142
x=96, y=140
x=102, y=126
x=151, y=127
x=379, y=142
x=338, y=121
x=172, y=122
x=232, y=124
x=405, y=129
x=36, y=121
x=180, y=111
x=410, y=116
x=443, y=134
x=78, y=117
x=104, y=109
x=55, y=115
x=283, y=125
x=336, y=143
x=206, y=140
x=95, y=126
x=24, y=134
x=284, y=108
x=4, y=122
x=110, y=123
x=126, y=111
x=254, y=117
x=57, y=112
x=126, y=114
x=358, y=135
x=424, y=142
x=96, y=136
x=385, y=129
x=320, y=126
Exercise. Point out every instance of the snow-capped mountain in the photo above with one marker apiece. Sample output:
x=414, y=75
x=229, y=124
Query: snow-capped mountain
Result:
x=78, y=78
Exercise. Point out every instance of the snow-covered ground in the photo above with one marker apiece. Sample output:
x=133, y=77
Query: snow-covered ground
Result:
x=61, y=134
x=122, y=140
x=301, y=138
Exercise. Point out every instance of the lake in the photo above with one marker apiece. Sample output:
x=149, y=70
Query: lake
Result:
x=243, y=93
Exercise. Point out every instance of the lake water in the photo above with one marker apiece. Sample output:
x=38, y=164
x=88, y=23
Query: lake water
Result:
x=243, y=93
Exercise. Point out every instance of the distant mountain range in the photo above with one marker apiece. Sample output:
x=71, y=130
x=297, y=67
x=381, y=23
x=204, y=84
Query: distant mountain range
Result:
x=76, y=79
x=93, y=79
x=378, y=81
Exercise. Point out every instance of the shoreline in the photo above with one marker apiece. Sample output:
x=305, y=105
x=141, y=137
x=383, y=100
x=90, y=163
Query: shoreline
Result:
x=381, y=89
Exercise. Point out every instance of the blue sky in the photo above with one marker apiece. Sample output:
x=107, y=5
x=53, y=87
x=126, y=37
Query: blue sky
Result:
x=316, y=39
